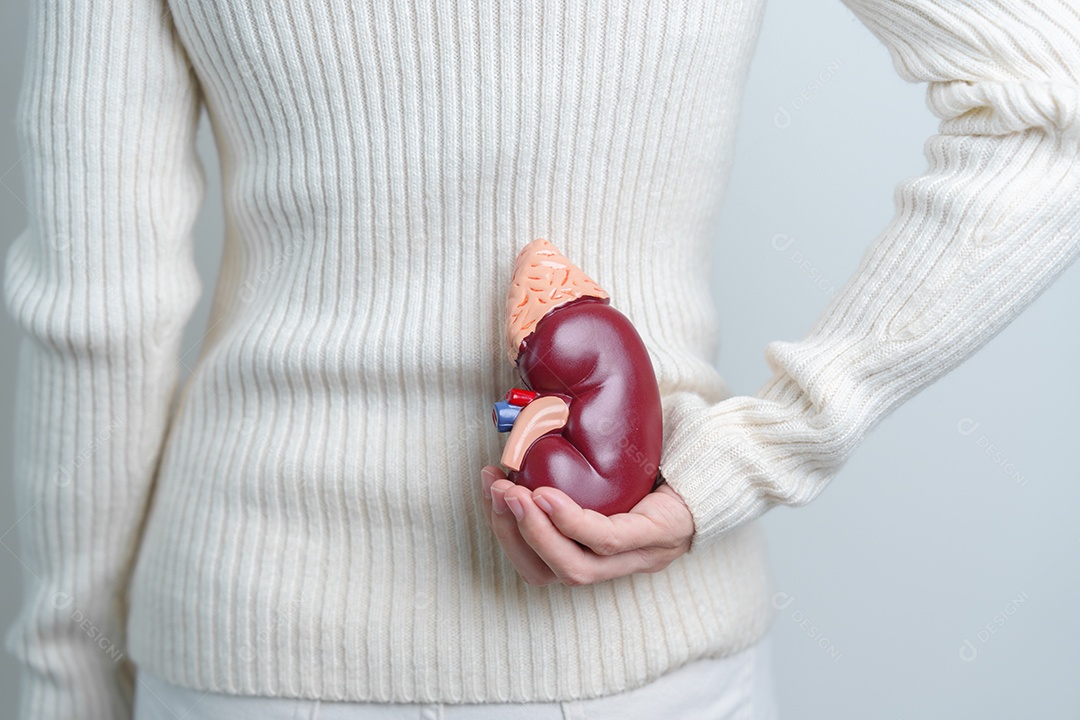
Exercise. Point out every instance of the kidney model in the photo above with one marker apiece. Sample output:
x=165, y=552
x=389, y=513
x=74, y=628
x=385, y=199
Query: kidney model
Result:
x=589, y=420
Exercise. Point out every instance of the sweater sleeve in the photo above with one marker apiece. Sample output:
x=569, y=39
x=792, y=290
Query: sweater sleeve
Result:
x=101, y=282
x=991, y=224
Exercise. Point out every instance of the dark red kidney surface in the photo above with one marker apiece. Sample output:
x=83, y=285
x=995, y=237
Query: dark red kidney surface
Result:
x=607, y=455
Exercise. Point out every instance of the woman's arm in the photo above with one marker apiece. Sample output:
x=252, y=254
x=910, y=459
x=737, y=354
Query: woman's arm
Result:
x=101, y=281
x=990, y=225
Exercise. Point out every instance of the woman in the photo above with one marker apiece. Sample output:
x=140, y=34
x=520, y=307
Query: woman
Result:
x=305, y=531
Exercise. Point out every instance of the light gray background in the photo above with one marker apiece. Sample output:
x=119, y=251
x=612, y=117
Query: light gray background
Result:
x=925, y=545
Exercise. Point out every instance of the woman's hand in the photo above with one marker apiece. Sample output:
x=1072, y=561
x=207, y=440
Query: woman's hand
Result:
x=544, y=544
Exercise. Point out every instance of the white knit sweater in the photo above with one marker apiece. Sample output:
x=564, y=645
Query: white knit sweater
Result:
x=307, y=517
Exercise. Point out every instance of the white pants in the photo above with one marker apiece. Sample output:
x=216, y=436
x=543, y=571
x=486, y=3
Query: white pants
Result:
x=737, y=687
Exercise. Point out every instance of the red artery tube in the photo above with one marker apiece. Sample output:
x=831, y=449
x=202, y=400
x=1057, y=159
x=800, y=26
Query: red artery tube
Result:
x=519, y=396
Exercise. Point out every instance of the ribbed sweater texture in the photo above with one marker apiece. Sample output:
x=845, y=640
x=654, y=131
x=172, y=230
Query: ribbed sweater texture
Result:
x=302, y=517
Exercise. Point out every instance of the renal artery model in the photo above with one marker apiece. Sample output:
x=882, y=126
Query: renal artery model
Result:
x=589, y=420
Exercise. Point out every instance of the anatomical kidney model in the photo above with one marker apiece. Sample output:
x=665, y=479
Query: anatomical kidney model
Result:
x=589, y=420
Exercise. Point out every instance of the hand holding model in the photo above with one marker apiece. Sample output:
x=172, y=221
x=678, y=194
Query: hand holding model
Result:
x=584, y=487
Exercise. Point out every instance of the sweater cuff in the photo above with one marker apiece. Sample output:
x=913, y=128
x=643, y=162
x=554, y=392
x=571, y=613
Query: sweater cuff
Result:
x=733, y=460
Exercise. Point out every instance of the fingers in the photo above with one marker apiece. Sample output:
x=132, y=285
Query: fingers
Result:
x=604, y=535
x=544, y=547
x=505, y=526
x=570, y=563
